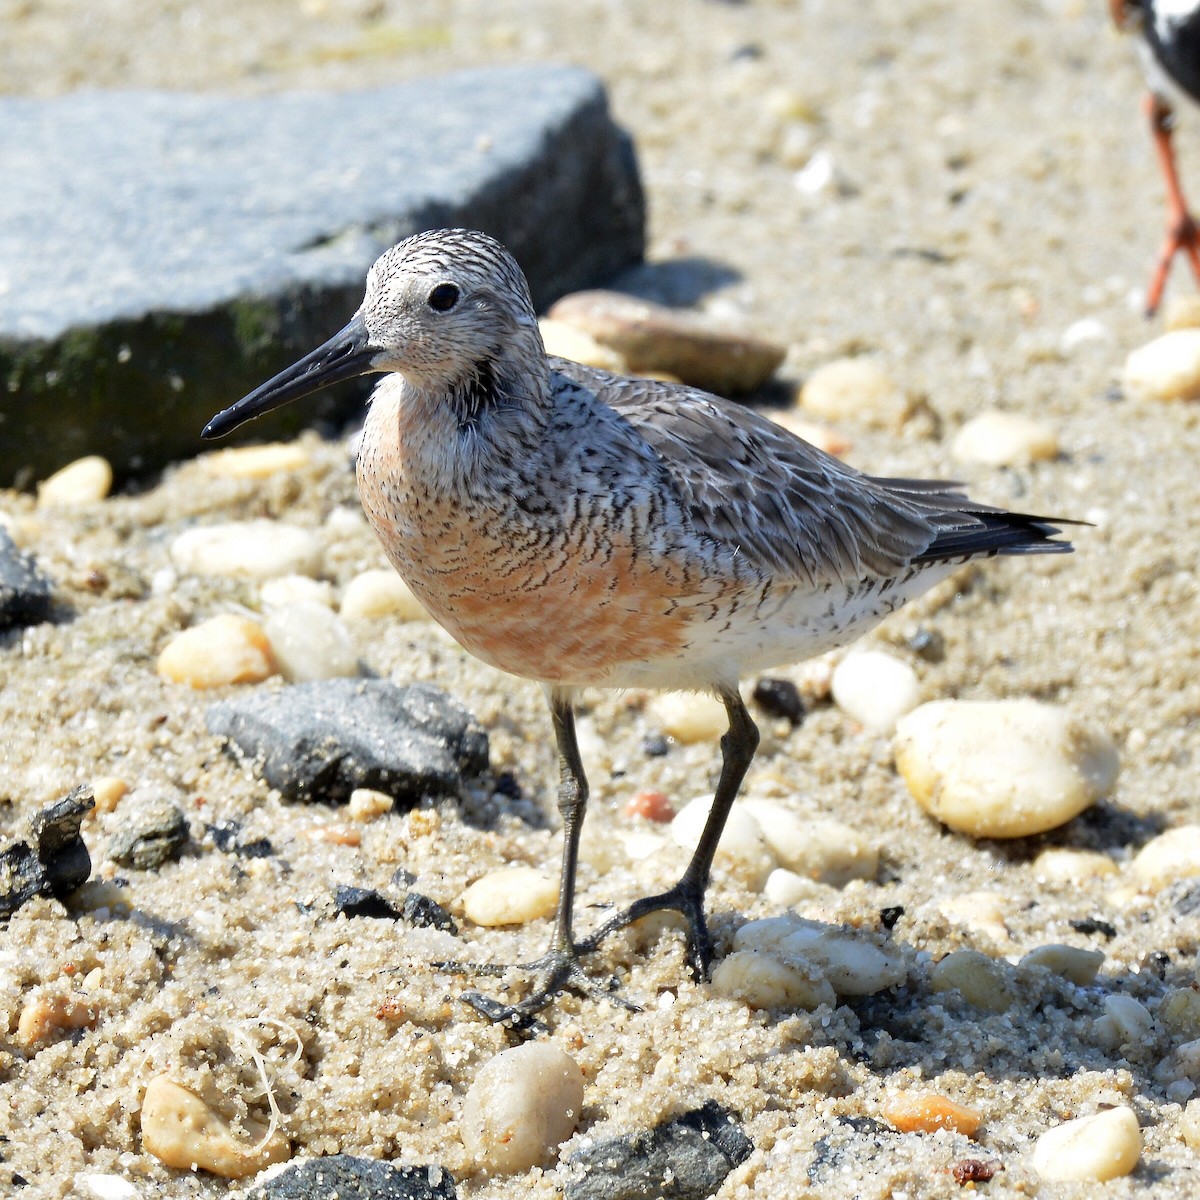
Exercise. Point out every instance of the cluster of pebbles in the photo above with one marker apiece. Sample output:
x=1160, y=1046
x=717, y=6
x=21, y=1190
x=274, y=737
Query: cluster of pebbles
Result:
x=1001, y=769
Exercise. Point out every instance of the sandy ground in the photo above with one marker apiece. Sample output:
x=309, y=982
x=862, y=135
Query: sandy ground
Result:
x=994, y=186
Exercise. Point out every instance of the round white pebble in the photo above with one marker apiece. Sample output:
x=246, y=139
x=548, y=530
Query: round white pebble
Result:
x=1071, y=962
x=1168, y=368
x=854, y=389
x=381, y=593
x=688, y=716
x=309, y=642
x=1171, y=856
x=815, y=847
x=255, y=462
x=761, y=980
x=1002, y=768
x=510, y=896
x=85, y=481
x=742, y=845
x=523, y=1105
x=226, y=649
x=1105, y=1146
x=294, y=589
x=1004, y=439
x=1124, y=1021
x=875, y=689
x=853, y=964
x=248, y=549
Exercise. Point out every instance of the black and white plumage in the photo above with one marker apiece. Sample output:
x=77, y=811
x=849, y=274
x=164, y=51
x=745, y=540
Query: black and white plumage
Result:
x=1169, y=48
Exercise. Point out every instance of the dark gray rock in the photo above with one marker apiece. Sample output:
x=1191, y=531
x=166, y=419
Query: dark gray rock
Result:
x=686, y=1158
x=851, y=1153
x=344, y=1177
x=363, y=902
x=424, y=911
x=56, y=863
x=163, y=253
x=24, y=593
x=227, y=837
x=320, y=741
x=156, y=832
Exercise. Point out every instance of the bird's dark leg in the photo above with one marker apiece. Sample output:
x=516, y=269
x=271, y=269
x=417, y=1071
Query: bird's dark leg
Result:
x=1181, y=228
x=558, y=968
x=687, y=896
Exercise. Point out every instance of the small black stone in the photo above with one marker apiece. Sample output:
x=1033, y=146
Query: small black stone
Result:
x=402, y=877
x=507, y=785
x=779, y=698
x=226, y=837
x=24, y=591
x=349, y=1178
x=656, y=745
x=58, y=861
x=364, y=902
x=1090, y=925
x=890, y=915
x=421, y=910
x=686, y=1158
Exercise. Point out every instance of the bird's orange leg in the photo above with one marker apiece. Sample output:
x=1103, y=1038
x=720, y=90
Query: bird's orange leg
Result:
x=1182, y=233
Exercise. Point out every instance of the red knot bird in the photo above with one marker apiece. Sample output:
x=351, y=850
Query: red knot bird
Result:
x=1169, y=47
x=582, y=529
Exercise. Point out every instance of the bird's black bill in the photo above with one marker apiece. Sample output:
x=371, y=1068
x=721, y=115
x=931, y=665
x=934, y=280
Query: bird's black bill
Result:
x=346, y=355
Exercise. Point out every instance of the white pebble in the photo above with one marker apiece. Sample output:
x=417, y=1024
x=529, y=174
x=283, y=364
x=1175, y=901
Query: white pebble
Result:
x=510, y=896
x=107, y=1187
x=761, y=980
x=1125, y=1021
x=1002, y=768
x=1171, y=856
x=875, y=689
x=180, y=1129
x=980, y=912
x=688, y=716
x=365, y=804
x=817, y=175
x=787, y=889
x=853, y=964
x=1168, y=368
x=1064, y=865
x=1071, y=962
x=1004, y=439
x=854, y=389
x=817, y=848
x=1100, y=1147
x=294, y=589
x=981, y=981
x=568, y=341
x=381, y=593
x=85, y=481
x=742, y=844
x=522, y=1105
x=1084, y=332
x=249, y=549
x=309, y=642
x=226, y=649
x=255, y=462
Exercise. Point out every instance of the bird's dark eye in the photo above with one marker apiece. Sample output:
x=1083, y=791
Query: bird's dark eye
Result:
x=443, y=297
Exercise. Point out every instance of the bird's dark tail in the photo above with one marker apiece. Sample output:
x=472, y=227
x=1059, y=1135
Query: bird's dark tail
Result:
x=967, y=529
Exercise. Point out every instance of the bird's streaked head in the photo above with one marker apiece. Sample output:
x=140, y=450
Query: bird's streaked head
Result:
x=442, y=308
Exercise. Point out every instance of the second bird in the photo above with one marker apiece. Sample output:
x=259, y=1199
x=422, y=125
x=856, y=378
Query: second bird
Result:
x=583, y=529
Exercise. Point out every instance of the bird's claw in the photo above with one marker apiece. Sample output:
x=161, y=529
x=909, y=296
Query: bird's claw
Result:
x=684, y=898
x=557, y=971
